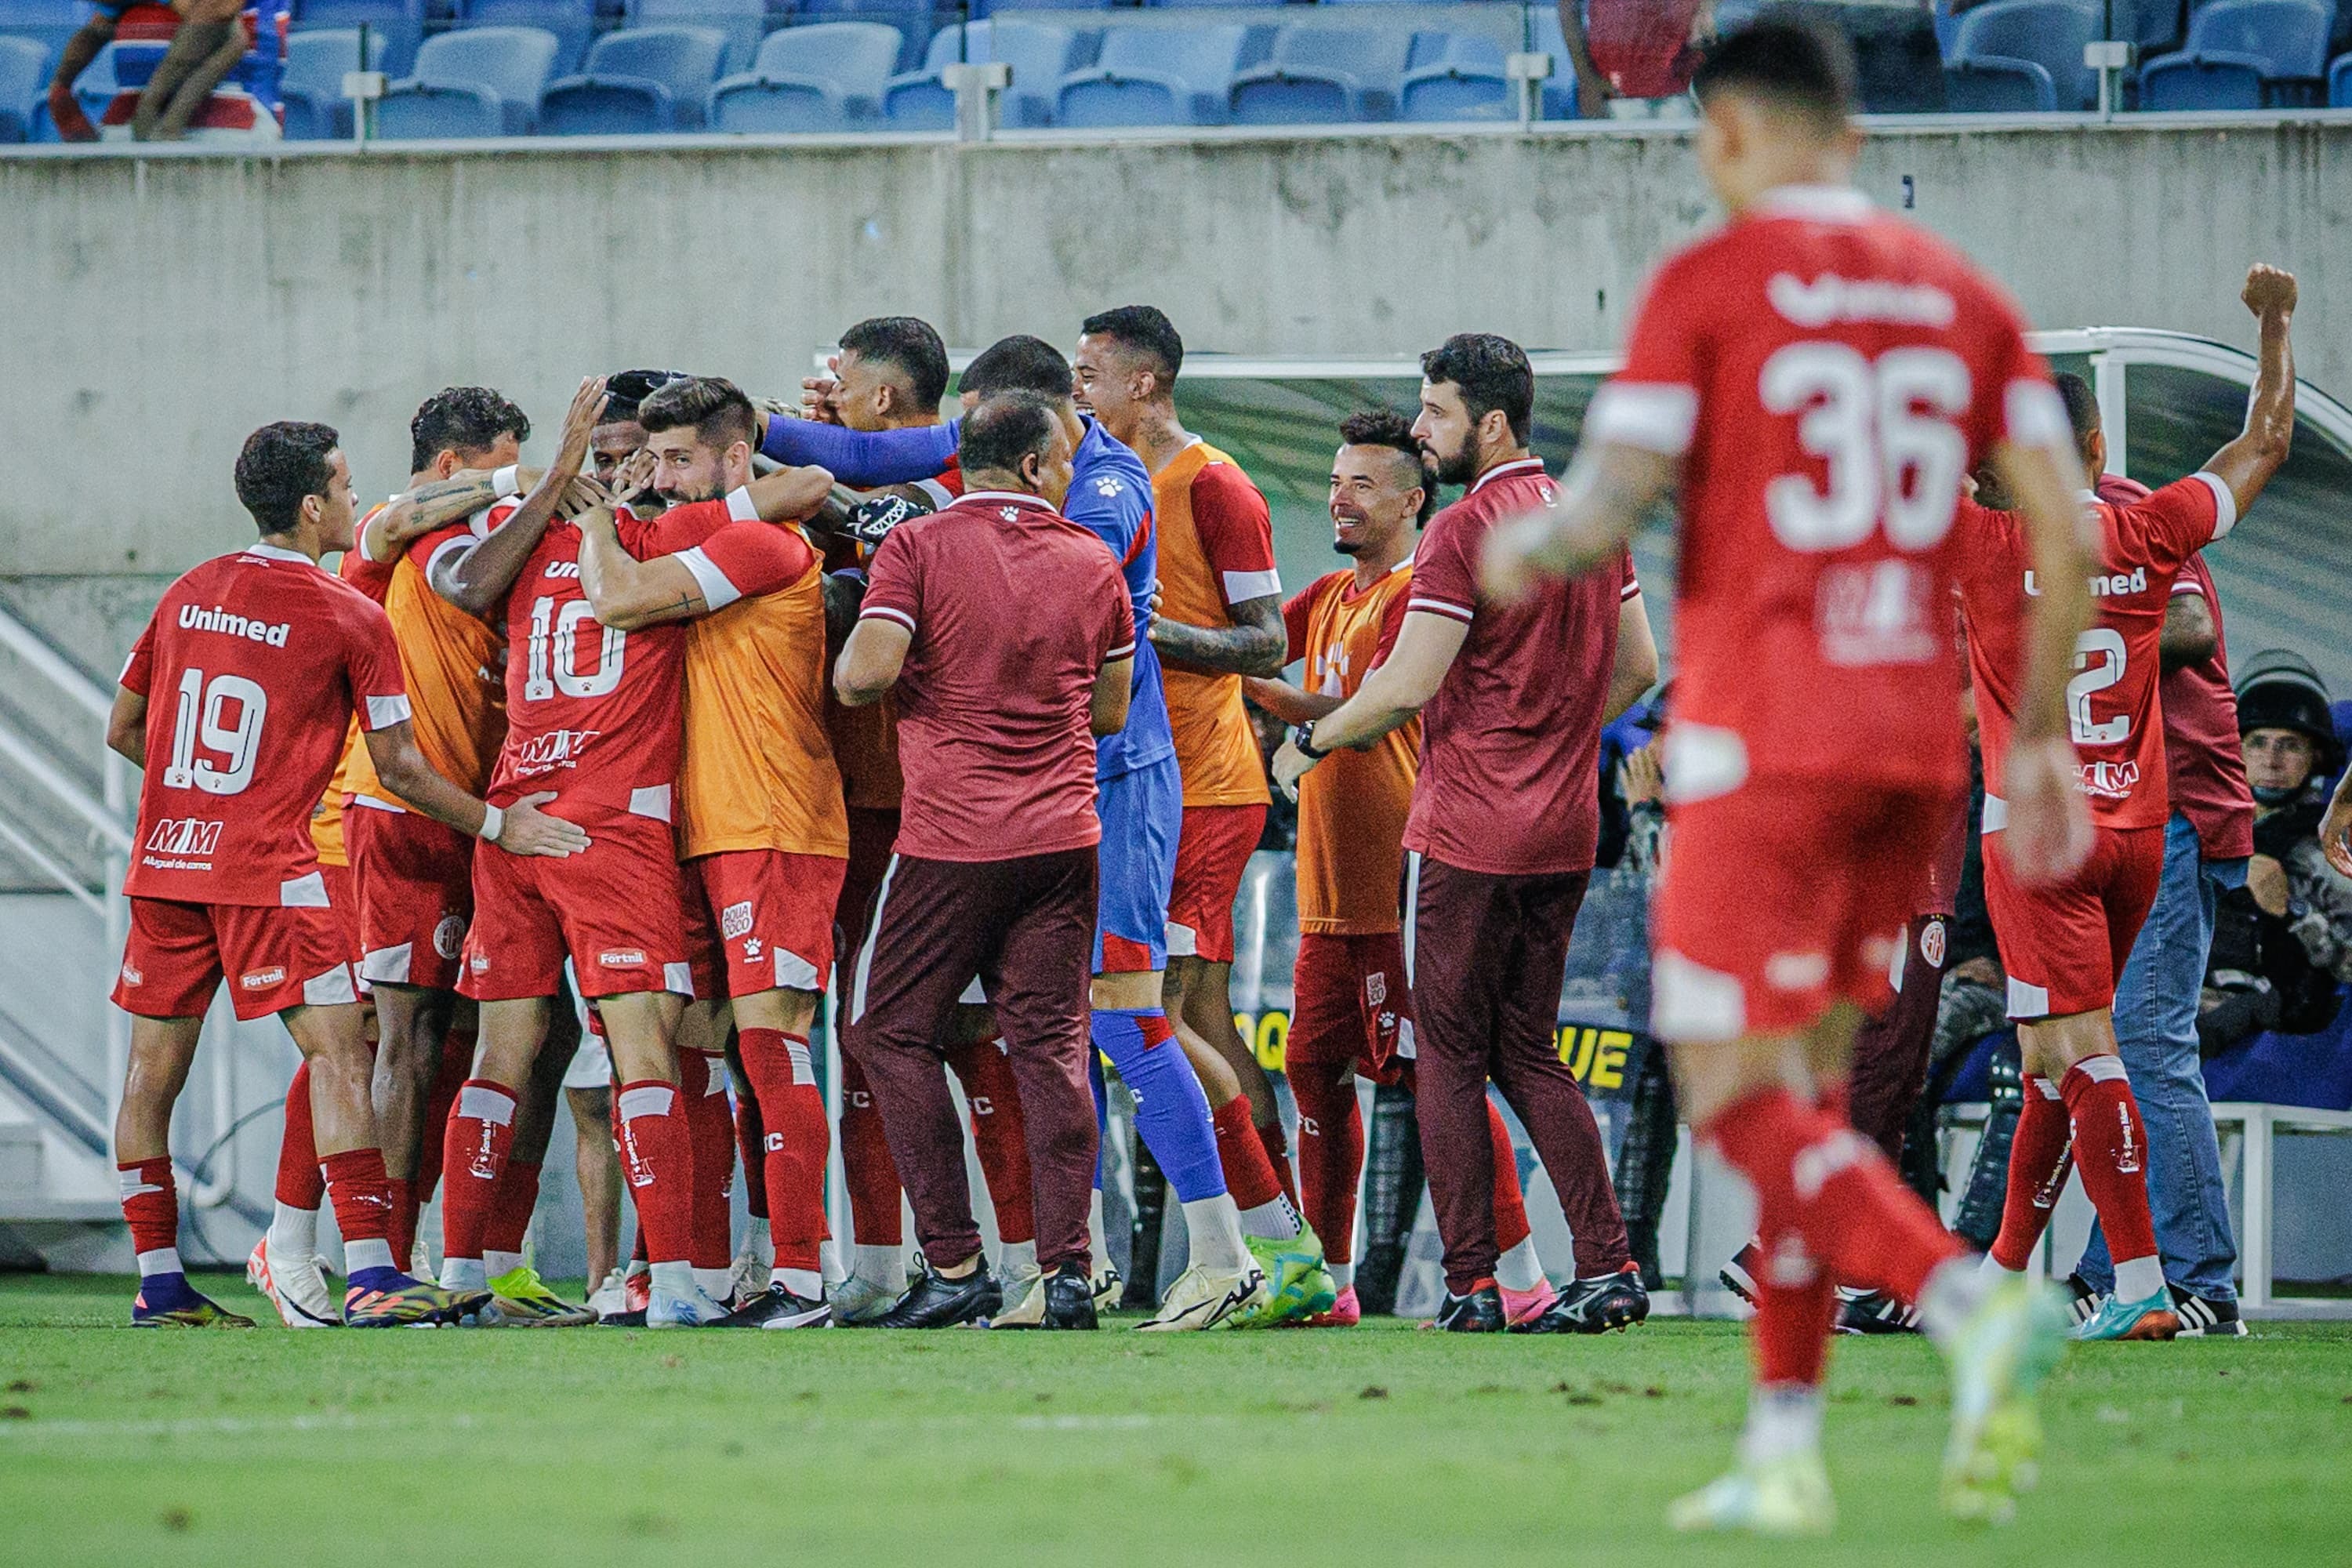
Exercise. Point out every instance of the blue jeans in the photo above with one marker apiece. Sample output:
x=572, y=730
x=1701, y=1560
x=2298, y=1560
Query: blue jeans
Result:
x=2156, y=1026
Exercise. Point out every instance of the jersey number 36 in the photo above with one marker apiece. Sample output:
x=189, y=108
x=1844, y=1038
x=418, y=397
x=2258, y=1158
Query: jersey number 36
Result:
x=1885, y=430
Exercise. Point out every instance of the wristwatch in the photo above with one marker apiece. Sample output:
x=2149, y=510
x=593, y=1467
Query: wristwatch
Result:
x=1303, y=738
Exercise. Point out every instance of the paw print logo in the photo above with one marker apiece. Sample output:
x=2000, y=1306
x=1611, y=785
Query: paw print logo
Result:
x=1109, y=486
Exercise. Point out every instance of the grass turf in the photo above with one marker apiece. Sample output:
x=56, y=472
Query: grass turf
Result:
x=1375, y=1447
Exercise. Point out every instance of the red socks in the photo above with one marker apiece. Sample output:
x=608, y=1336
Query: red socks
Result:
x=2038, y=1158
x=1796, y=1302
x=1510, y=1198
x=299, y=1185
x=795, y=1142
x=2111, y=1151
x=872, y=1179
x=355, y=1184
x=480, y=1132
x=1330, y=1157
x=999, y=1136
x=1277, y=1154
x=711, y=1150
x=657, y=1163
x=150, y=1201
x=751, y=1143
x=1831, y=1186
x=512, y=1208
x=1249, y=1174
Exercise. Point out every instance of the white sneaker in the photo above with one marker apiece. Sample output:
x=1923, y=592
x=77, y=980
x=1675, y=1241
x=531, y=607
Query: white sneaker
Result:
x=748, y=1279
x=1024, y=1285
x=1785, y=1496
x=611, y=1296
x=297, y=1286
x=688, y=1309
x=1200, y=1300
x=858, y=1300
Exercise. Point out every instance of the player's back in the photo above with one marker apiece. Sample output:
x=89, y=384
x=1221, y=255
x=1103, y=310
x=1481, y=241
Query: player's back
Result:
x=1215, y=551
x=244, y=669
x=593, y=713
x=1829, y=374
x=1111, y=498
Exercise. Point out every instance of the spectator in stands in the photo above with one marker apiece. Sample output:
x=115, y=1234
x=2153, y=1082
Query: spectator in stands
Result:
x=210, y=42
x=1632, y=48
x=65, y=109
x=2282, y=942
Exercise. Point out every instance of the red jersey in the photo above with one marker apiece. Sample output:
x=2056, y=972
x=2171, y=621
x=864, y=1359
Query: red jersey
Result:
x=2201, y=755
x=253, y=665
x=1510, y=744
x=1015, y=611
x=1826, y=374
x=2111, y=702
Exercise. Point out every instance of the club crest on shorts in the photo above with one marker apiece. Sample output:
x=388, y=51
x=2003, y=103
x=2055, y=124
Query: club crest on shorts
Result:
x=449, y=936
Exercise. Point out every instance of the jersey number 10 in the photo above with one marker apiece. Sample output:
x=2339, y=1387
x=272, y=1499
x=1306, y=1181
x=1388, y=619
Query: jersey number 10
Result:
x=561, y=627
x=1863, y=418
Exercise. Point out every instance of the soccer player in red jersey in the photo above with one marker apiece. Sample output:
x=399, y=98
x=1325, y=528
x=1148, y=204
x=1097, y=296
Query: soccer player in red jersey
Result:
x=1007, y=636
x=1506, y=819
x=1815, y=378
x=2063, y=945
x=260, y=660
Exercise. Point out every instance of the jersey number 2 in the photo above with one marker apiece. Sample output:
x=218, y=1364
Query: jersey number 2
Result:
x=202, y=705
x=561, y=629
x=2098, y=663
x=1883, y=428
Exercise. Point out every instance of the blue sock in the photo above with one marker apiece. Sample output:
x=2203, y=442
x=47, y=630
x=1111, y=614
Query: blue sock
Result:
x=378, y=1279
x=1102, y=1110
x=162, y=1292
x=1172, y=1114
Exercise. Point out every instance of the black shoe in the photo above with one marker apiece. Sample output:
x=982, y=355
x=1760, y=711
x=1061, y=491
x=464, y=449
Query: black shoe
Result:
x=634, y=1318
x=776, y=1308
x=1479, y=1312
x=1738, y=1276
x=2201, y=1317
x=1069, y=1299
x=1875, y=1312
x=2082, y=1301
x=935, y=1302
x=1598, y=1305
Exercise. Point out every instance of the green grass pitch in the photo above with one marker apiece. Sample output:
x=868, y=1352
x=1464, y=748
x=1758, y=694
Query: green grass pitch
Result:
x=1379, y=1446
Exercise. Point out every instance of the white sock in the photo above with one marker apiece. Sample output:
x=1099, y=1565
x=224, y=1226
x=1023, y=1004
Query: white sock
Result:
x=1098, y=1249
x=1017, y=1260
x=673, y=1279
x=808, y=1284
x=1275, y=1220
x=497, y=1263
x=878, y=1264
x=1951, y=1293
x=162, y=1260
x=463, y=1274
x=294, y=1233
x=715, y=1283
x=2137, y=1279
x=1215, y=1228
x=828, y=1262
x=366, y=1254
x=634, y=1266
x=1782, y=1419
x=1521, y=1269
x=1992, y=1270
x=1343, y=1273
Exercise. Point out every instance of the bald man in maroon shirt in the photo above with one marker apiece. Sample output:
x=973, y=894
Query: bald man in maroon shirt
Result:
x=1007, y=636
x=1506, y=818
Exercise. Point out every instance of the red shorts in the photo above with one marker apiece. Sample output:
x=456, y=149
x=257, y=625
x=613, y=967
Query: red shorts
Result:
x=775, y=913
x=1782, y=897
x=344, y=903
x=706, y=961
x=1211, y=853
x=177, y=954
x=1349, y=1004
x=416, y=882
x=2064, y=946
x=618, y=909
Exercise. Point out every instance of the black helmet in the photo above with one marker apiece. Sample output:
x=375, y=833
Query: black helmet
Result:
x=2281, y=691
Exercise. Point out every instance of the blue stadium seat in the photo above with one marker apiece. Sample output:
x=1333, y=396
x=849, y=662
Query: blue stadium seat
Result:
x=2281, y=44
x=1996, y=84
x=1464, y=79
x=743, y=22
x=638, y=82
x=2153, y=27
x=1318, y=75
x=2339, y=84
x=478, y=81
x=313, y=86
x=829, y=76
x=49, y=23
x=570, y=21
x=916, y=20
x=24, y=72
x=2050, y=32
x=1156, y=76
x=401, y=23
x=1040, y=53
x=983, y=8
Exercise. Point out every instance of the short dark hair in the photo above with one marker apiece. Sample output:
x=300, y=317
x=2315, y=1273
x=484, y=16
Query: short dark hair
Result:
x=462, y=419
x=2082, y=405
x=716, y=408
x=1387, y=427
x=1141, y=329
x=1005, y=429
x=280, y=465
x=1018, y=364
x=626, y=390
x=1799, y=63
x=909, y=342
x=1492, y=372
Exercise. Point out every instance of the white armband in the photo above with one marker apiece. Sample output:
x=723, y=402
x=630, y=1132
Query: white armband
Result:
x=494, y=824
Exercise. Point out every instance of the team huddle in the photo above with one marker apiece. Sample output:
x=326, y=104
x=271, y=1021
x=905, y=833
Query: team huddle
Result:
x=732, y=708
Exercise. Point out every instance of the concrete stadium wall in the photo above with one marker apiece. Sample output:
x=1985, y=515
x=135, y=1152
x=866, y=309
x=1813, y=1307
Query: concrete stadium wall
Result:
x=158, y=307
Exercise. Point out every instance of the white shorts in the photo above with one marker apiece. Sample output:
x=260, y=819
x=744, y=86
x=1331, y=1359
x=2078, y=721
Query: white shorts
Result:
x=591, y=1067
